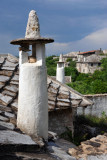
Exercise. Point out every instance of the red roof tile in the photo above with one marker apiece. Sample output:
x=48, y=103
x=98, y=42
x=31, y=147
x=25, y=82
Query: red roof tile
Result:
x=88, y=52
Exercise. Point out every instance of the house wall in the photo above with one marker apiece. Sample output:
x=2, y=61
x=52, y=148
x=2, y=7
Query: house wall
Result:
x=82, y=67
x=99, y=106
x=59, y=120
x=93, y=68
x=105, y=51
x=87, y=68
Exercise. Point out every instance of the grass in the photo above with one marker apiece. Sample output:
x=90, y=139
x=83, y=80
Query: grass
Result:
x=80, y=133
x=93, y=121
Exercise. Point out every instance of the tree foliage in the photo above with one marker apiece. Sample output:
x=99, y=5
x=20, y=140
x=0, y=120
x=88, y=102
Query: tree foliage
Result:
x=83, y=83
x=92, y=83
x=51, y=65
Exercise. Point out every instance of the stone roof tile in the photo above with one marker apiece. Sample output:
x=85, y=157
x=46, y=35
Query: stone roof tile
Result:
x=60, y=96
x=95, y=146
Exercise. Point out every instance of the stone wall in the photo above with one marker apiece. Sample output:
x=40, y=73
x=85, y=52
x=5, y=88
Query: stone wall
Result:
x=87, y=68
x=93, y=149
x=59, y=120
x=99, y=106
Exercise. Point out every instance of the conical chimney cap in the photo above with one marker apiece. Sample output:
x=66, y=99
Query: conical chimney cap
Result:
x=32, y=35
x=33, y=28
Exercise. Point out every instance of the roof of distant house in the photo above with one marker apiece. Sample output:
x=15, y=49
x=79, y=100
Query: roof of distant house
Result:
x=71, y=55
x=91, y=59
x=82, y=53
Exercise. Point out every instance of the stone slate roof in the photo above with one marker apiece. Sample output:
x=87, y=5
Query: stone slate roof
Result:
x=82, y=53
x=93, y=59
x=71, y=54
x=60, y=96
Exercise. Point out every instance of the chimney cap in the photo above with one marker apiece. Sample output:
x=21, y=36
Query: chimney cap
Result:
x=32, y=35
x=31, y=41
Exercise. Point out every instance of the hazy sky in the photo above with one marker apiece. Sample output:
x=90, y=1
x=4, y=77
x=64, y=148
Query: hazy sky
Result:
x=75, y=25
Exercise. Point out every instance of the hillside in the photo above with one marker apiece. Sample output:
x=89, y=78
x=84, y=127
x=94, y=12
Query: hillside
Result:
x=84, y=83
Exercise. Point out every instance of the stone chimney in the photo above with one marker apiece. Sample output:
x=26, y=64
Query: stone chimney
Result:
x=60, y=73
x=33, y=100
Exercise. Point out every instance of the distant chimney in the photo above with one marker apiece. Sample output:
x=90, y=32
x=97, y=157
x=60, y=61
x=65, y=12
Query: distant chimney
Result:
x=61, y=58
x=60, y=73
x=33, y=100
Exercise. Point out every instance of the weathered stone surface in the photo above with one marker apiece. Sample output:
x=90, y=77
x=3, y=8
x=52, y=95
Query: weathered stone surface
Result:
x=50, y=107
x=57, y=152
x=12, y=88
x=4, y=78
x=55, y=86
x=8, y=93
x=2, y=118
x=4, y=108
x=51, y=90
x=51, y=102
x=13, y=121
x=12, y=137
x=6, y=73
x=59, y=119
x=14, y=106
x=14, y=82
x=9, y=64
x=61, y=95
x=11, y=141
x=94, y=148
x=49, y=81
x=8, y=68
x=51, y=97
x=64, y=144
x=1, y=85
x=12, y=59
x=97, y=157
x=63, y=104
x=5, y=125
x=32, y=30
x=10, y=115
x=5, y=100
x=75, y=96
x=15, y=78
x=1, y=60
x=64, y=92
x=63, y=100
x=75, y=103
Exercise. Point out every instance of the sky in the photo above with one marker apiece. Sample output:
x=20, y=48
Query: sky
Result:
x=75, y=25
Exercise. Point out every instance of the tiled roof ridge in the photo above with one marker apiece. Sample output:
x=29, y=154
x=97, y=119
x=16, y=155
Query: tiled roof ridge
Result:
x=71, y=90
x=13, y=56
x=88, y=52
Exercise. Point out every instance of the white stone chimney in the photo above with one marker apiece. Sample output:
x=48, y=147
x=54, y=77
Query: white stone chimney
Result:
x=33, y=100
x=60, y=73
